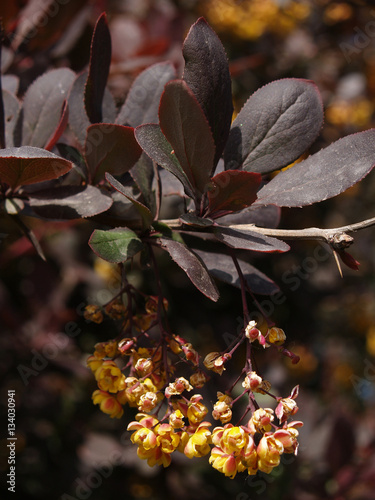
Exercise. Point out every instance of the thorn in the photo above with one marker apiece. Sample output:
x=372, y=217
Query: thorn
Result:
x=337, y=262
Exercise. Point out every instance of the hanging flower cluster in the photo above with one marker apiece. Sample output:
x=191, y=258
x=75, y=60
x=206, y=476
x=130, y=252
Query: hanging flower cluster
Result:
x=140, y=370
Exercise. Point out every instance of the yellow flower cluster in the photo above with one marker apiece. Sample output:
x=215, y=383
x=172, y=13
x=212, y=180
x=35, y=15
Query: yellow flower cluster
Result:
x=144, y=378
x=249, y=19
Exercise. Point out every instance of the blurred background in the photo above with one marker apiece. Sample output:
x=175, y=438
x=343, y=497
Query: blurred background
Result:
x=66, y=448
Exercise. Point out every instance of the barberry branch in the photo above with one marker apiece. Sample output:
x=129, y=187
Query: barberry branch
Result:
x=337, y=238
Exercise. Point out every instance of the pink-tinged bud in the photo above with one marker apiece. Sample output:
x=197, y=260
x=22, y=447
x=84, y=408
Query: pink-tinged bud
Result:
x=144, y=366
x=198, y=379
x=276, y=336
x=125, y=346
x=348, y=260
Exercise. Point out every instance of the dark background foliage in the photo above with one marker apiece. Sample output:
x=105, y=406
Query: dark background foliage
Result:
x=65, y=446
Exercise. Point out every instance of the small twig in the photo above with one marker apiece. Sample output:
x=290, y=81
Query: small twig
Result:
x=335, y=237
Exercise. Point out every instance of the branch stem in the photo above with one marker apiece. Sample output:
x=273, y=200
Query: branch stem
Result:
x=334, y=236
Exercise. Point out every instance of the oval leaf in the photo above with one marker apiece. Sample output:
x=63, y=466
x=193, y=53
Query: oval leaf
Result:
x=207, y=75
x=11, y=110
x=144, y=211
x=70, y=202
x=222, y=267
x=28, y=165
x=142, y=102
x=232, y=191
x=185, y=126
x=78, y=119
x=110, y=148
x=156, y=146
x=192, y=265
x=249, y=240
x=324, y=174
x=100, y=61
x=277, y=124
x=190, y=219
x=116, y=245
x=42, y=106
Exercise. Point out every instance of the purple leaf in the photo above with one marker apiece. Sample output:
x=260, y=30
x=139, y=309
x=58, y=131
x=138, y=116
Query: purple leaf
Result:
x=192, y=265
x=156, y=146
x=324, y=174
x=28, y=165
x=42, y=106
x=100, y=61
x=185, y=126
x=222, y=267
x=207, y=75
x=232, y=191
x=190, y=219
x=59, y=130
x=10, y=83
x=261, y=216
x=70, y=202
x=144, y=211
x=2, y=111
x=143, y=175
x=110, y=148
x=277, y=124
x=78, y=119
x=142, y=102
x=11, y=109
x=249, y=240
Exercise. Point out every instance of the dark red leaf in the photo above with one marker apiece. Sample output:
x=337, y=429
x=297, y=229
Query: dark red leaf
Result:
x=207, y=75
x=249, y=240
x=12, y=108
x=70, y=202
x=2, y=111
x=232, y=191
x=28, y=165
x=185, y=126
x=277, y=124
x=144, y=211
x=110, y=148
x=78, y=119
x=324, y=174
x=192, y=265
x=142, y=102
x=156, y=146
x=261, y=216
x=190, y=219
x=222, y=267
x=100, y=61
x=42, y=106
x=60, y=127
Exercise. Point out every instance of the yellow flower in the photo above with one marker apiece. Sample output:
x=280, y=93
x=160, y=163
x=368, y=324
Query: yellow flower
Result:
x=148, y=401
x=261, y=420
x=144, y=436
x=176, y=419
x=222, y=408
x=199, y=443
x=93, y=313
x=110, y=377
x=269, y=451
x=167, y=439
x=94, y=363
x=223, y=462
x=177, y=387
x=198, y=379
x=108, y=404
x=196, y=410
x=144, y=366
x=288, y=436
x=215, y=362
x=276, y=336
